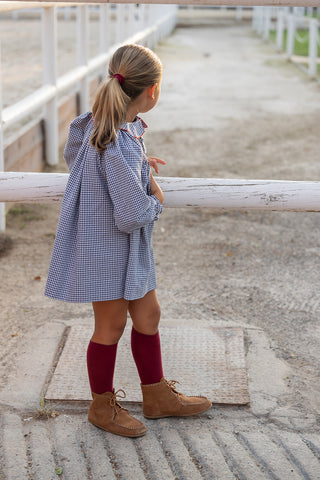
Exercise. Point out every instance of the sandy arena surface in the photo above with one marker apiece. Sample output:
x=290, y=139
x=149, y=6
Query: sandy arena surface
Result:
x=230, y=108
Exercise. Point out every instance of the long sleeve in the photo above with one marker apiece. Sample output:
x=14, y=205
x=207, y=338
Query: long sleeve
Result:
x=133, y=207
x=75, y=138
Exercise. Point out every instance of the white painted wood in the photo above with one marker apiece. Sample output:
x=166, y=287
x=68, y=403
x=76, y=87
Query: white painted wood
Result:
x=243, y=3
x=267, y=22
x=32, y=102
x=290, y=35
x=313, y=47
x=120, y=22
x=280, y=29
x=82, y=54
x=2, y=205
x=49, y=65
x=216, y=193
x=104, y=28
x=239, y=14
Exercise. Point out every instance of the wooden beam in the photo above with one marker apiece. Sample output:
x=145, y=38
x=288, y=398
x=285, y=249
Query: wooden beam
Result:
x=24, y=4
x=216, y=193
x=238, y=3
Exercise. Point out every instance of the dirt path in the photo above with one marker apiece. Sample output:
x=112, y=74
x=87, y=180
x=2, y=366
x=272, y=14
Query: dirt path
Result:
x=230, y=107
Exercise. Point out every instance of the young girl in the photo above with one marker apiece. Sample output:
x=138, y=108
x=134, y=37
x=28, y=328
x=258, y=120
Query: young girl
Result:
x=103, y=248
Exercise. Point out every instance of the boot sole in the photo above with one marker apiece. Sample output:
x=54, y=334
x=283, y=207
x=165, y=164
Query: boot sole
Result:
x=153, y=417
x=135, y=435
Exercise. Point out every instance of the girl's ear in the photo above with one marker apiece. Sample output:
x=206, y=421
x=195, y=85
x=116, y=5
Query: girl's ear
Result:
x=151, y=90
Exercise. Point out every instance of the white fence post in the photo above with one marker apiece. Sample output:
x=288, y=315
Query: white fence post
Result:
x=260, y=19
x=280, y=28
x=267, y=21
x=313, y=47
x=104, y=27
x=290, y=35
x=82, y=54
x=2, y=205
x=120, y=22
x=49, y=60
x=239, y=14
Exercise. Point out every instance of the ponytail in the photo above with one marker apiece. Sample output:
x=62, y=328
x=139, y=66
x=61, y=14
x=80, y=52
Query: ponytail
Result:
x=132, y=68
x=109, y=111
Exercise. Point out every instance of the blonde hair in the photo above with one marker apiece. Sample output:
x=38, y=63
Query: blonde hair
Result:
x=140, y=68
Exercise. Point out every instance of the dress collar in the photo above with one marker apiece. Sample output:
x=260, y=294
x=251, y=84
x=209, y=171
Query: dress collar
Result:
x=135, y=128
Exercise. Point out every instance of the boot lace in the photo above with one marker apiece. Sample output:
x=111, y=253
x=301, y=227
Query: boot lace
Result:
x=172, y=385
x=114, y=399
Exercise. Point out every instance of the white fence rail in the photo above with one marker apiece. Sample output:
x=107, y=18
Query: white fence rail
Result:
x=144, y=24
x=220, y=194
x=266, y=19
x=252, y=3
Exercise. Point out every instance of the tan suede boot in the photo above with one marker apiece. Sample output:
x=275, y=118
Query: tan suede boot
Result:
x=162, y=400
x=106, y=413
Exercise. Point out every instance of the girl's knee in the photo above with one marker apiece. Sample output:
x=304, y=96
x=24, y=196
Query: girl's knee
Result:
x=108, y=334
x=149, y=322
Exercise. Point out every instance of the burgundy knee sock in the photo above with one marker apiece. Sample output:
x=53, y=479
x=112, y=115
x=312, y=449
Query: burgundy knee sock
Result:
x=101, y=360
x=146, y=351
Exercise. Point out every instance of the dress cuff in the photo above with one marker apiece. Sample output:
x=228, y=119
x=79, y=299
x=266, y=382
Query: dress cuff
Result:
x=158, y=207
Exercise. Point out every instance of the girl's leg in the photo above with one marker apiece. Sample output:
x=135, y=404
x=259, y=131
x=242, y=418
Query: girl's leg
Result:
x=160, y=398
x=110, y=321
x=145, y=339
x=105, y=412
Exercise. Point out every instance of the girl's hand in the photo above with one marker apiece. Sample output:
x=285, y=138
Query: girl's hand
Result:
x=154, y=161
x=155, y=189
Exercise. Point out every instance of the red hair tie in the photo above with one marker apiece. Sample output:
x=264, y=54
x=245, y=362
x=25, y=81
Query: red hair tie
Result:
x=119, y=77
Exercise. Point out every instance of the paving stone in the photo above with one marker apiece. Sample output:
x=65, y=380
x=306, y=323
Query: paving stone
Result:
x=98, y=455
x=209, y=455
x=41, y=450
x=299, y=454
x=151, y=449
x=313, y=442
x=241, y=463
x=126, y=458
x=14, y=452
x=177, y=453
x=270, y=455
x=71, y=452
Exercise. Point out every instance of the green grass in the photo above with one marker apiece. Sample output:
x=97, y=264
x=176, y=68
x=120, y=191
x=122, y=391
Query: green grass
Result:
x=299, y=48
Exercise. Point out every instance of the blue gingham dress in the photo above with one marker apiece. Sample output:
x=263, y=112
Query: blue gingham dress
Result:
x=103, y=246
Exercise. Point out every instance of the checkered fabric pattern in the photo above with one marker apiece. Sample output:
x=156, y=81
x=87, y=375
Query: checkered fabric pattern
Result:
x=103, y=246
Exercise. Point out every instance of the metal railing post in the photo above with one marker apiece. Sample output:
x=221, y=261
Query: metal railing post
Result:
x=82, y=54
x=49, y=61
x=313, y=47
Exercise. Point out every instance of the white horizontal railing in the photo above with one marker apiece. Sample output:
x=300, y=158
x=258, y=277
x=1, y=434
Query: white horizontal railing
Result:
x=43, y=95
x=276, y=3
x=133, y=24
x=32, y=102
x=216, y=193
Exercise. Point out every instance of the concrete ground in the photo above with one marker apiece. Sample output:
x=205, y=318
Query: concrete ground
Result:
x=217, y=75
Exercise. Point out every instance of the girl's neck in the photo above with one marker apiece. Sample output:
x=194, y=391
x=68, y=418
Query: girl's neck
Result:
x=132, y=112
